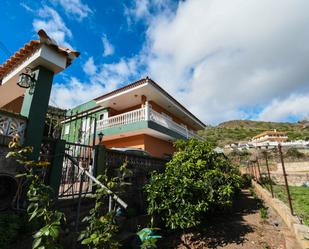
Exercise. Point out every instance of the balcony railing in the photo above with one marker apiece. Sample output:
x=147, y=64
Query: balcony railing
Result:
x=145, y=114
x=11, y=125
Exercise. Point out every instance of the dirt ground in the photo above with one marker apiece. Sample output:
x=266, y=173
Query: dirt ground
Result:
x=243, y=228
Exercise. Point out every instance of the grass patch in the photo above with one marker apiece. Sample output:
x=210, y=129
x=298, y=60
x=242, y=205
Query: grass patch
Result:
x=300, y=200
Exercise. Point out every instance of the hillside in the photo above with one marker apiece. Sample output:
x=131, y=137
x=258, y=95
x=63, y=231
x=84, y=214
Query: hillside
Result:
x=243, y=130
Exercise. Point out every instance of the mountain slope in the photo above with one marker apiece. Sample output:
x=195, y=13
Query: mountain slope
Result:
x=243, y=130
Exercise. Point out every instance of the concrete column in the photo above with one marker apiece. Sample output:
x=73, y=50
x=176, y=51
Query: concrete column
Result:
x=56, y=166
x=143, y=99
x=147, y=111
x=35, y=108
x=99, y=160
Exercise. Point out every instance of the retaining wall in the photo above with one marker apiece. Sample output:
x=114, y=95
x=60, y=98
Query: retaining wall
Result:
x=301, y=231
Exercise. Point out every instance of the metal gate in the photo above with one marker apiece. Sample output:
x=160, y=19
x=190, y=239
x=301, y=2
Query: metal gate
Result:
x=79, y=155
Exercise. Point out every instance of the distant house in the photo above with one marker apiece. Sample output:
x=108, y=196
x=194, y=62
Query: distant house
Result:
x=270, y=136
x=139, y=115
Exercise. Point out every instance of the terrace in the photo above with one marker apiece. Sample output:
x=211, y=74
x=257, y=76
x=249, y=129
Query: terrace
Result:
x=149, y=115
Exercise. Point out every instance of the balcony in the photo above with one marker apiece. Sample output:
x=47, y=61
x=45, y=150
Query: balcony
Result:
x=146, y=114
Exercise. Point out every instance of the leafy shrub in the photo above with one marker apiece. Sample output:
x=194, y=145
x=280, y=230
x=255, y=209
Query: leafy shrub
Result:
x=101, y=226
x=294, y=153
x=39, y=196
x=196, y=181
x=264, y=180
x=10, y=225
x=263, y=213
x=246, y=180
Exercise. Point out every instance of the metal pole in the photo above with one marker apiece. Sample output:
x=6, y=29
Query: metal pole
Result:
x=254, y=170
x=285, y=179
x=94, y=131
x=110, y=203
x=79, y=200
x=268, y=172
x=251, y=169
x=259, y=170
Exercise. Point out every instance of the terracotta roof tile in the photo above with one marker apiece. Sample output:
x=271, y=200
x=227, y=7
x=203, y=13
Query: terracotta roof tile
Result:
x=29, y=48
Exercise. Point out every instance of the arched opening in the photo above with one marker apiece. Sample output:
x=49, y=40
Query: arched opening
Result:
x=8, y=188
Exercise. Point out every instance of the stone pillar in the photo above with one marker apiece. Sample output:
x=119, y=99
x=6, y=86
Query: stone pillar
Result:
x=35, y=108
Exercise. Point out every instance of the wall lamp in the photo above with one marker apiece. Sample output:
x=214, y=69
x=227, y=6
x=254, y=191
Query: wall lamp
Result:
x=27, y=80
x=100, y=137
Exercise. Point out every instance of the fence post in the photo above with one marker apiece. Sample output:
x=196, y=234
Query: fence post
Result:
x=251, y=170
x=285, y=179
x=268, y=172
x=259, y=170
x=99, y=160
x=79, y=200
x=56, y=166
x=254, y=170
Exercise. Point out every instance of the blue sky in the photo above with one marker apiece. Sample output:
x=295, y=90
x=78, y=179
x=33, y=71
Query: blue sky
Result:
x=222, y=59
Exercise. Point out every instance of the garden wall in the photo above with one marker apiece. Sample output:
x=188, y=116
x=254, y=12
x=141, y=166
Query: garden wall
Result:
x=296, y=179
x=300, y=231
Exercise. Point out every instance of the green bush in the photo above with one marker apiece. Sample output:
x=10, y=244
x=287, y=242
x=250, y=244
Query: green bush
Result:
x=10, y=225
x=294, y=153
x=246, y=180
x=195, y=182
x=263, y=213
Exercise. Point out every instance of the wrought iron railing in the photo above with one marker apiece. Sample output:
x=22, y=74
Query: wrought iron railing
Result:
x=114, y=159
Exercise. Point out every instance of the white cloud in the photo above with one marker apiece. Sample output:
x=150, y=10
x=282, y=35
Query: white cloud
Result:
x=116, y=74
x=146, y=10
x=279, y=110
x=220, y=57
x=26, y=7
x=74, y=8
x=74, y=93
x=89, y=67
x=108, y=47
x=53, y=24
x=102, y=79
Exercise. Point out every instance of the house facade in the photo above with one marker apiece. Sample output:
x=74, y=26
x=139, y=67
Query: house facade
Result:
x=270, y=136
x=139, y=115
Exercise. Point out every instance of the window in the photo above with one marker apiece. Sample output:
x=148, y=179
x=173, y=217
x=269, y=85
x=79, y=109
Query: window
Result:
x=67, y=129
x=103, y=116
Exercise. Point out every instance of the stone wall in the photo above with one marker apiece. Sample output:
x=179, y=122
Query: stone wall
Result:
x=301, y=231
x=8, y=183
x=294, y=167
x=297, y=179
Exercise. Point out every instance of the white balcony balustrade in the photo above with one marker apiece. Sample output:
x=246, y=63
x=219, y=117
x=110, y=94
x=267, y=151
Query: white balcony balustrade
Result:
x=145, y=114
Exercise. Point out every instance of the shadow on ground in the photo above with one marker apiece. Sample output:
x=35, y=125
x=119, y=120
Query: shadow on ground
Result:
x=220, y=230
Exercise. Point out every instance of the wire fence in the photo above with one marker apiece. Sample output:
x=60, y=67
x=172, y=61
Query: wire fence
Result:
x=284, y=172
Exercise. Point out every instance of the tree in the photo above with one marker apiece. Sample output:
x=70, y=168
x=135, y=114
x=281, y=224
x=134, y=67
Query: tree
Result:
x=196, y=181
